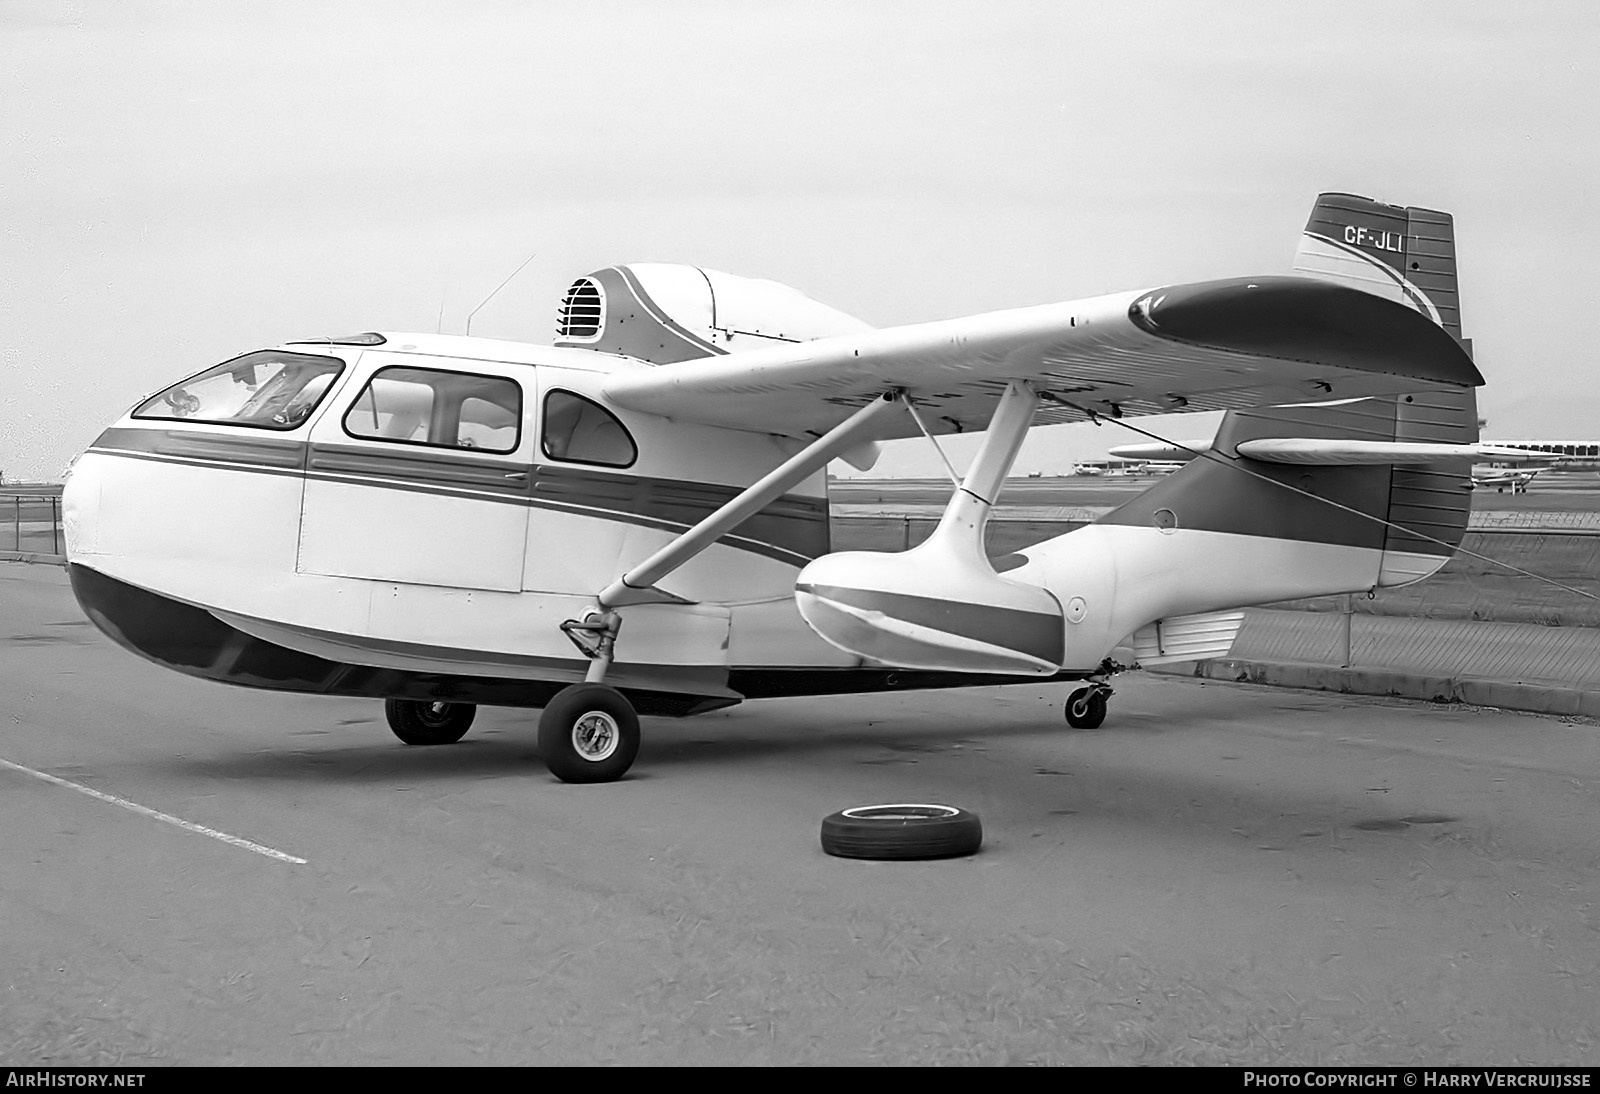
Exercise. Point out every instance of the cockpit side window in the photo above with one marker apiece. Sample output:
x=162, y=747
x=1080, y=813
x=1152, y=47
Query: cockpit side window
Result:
x=269, y=389
x=439, y=409
x=580, y=431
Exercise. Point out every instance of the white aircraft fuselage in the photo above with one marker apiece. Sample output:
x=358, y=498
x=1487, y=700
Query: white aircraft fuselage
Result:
x=636, y=520
x=325, y=558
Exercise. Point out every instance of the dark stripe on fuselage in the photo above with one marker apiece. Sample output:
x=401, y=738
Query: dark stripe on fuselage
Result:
x=240, y=449
x=794, y=522
x=793, y=529
x=418, y=468
x=1033, y=633
x=191, y=640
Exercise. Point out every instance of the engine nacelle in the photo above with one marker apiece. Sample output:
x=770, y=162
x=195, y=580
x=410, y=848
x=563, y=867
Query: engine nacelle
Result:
x=665, y=313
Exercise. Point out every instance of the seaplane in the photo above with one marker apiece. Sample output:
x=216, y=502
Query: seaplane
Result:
x=634, y=520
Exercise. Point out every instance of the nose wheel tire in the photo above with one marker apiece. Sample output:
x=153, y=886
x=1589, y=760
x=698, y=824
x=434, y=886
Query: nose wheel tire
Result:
x=1086, y=708
x=428, y=722
x=588, y=734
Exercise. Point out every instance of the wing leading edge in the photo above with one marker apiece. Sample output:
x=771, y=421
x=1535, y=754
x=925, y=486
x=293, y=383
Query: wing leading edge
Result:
x=1214, y=345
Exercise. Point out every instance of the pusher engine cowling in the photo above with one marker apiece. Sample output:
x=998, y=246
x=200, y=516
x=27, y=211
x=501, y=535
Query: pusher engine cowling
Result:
x=665, y=313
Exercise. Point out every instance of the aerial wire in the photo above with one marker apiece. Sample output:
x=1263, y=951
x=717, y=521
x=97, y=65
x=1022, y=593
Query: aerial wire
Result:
x=497, y=288
x=948, y=466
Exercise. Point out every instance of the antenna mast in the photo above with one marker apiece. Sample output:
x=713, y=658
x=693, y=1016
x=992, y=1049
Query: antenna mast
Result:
x=497, y=288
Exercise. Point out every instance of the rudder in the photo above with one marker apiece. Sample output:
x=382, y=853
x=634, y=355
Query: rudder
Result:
x=1400, y=252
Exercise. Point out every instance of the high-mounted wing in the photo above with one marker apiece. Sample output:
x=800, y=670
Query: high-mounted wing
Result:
x=1211, y=345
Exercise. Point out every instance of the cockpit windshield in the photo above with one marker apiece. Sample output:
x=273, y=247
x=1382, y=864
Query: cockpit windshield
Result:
x=269, y=389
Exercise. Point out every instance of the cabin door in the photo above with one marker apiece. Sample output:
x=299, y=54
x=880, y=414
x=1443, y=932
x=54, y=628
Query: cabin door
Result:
x=422, y=477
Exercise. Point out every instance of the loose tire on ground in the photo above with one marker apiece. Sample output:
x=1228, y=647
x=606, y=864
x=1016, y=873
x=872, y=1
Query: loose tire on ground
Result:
x=905, y=831
x=428, y=722
x=1086, y=708
x=588, y=733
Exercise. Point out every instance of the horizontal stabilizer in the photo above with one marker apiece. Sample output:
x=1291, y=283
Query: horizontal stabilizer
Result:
x=1160, y=453
x=1341, y=452
x=1307, y=450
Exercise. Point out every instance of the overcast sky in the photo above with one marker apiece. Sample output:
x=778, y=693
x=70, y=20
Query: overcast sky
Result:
x=181, y=182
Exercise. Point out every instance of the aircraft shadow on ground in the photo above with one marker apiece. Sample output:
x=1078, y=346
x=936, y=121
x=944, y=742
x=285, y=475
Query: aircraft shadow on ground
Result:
x=1248, y=812
x=712, y=741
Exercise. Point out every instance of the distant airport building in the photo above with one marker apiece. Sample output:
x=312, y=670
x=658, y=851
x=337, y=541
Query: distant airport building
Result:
x=1116, y=466
x=1565, y=455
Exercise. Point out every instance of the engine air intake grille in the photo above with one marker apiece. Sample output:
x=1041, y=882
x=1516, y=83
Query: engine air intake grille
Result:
x=582, y=310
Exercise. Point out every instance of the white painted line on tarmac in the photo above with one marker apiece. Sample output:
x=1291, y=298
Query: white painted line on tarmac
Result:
x=146, y=811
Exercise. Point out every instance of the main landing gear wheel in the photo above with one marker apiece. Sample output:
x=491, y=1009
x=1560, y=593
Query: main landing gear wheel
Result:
x=428, y=722
x=1086, y=708
x=588, y=734
x=901, y=832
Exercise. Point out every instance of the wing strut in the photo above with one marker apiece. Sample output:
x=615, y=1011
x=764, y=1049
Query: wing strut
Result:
x=637, y=585
x=596, y=634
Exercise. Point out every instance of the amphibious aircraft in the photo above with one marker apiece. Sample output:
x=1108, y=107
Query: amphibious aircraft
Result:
x=634, y=519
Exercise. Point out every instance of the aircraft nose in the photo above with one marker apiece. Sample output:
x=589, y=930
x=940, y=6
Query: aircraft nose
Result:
x=80, y=503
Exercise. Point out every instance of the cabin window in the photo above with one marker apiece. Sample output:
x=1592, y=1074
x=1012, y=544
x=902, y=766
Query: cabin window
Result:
x=578, y=430
x=438, y=409
x=269, y=389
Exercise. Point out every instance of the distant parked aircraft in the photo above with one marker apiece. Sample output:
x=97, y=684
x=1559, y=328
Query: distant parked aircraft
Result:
x=1487, y=475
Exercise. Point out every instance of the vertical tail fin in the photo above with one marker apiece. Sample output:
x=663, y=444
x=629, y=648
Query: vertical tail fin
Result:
x=1407, y=254
x=1399, y=252
x=1409, y=517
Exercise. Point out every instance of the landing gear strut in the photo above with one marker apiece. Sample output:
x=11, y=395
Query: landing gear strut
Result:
x=589, y=733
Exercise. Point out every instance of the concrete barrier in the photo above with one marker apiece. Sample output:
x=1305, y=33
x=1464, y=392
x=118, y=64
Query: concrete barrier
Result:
x=32, y=556
x=1538, y=698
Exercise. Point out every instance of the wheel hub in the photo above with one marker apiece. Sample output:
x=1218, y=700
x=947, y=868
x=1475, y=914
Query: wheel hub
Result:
x=595, y=736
